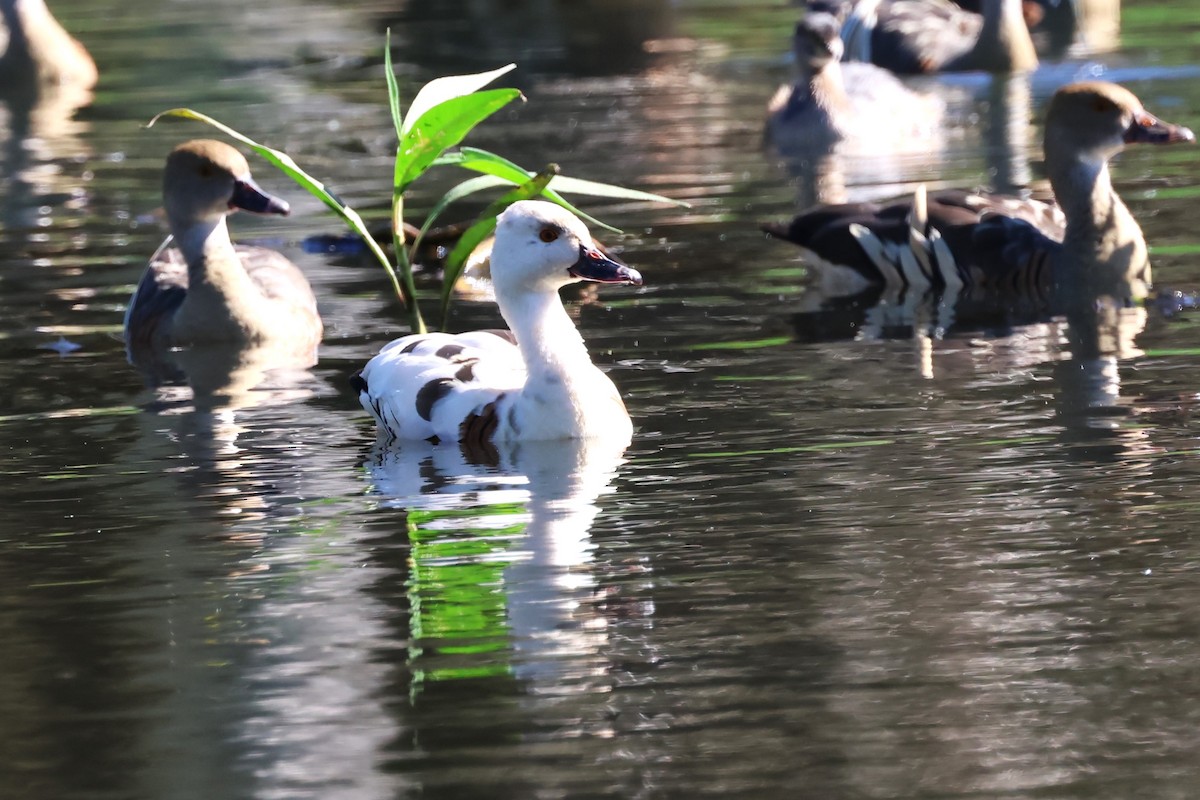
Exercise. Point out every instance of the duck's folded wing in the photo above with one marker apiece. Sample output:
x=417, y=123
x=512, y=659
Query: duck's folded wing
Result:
x=159, y=293
x=276, y=277
x=1005, y=254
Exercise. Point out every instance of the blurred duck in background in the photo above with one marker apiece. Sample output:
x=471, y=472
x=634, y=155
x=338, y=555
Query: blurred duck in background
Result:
x=913, y=37
x=861, y=107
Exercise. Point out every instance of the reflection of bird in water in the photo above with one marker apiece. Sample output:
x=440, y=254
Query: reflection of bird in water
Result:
x=543, y=560
x=1002, y=245
x=210, y=291
x=38, y=52
x=45, y=76
x=844, y=104
x=482, y=386
x=922, y=36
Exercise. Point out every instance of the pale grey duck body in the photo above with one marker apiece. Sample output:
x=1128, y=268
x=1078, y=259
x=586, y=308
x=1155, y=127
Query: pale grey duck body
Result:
x=210, y=291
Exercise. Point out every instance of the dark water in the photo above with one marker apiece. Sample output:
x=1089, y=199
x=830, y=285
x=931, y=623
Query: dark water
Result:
x=839, y=560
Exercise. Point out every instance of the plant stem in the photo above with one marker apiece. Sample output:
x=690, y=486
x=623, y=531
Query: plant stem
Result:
x=404, y=264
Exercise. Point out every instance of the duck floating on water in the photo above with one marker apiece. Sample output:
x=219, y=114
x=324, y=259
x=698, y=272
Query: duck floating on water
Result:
x=833, y=103
x=532, y=382
x=1089, y=244
x=923, y=36
x=210, y=291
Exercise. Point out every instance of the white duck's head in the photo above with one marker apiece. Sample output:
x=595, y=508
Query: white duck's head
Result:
x=205, y=180
x=541, y=247
x=1094, y=120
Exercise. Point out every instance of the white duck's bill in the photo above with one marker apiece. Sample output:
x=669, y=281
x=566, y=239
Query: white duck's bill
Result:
x=595, y=266
x=247, y=195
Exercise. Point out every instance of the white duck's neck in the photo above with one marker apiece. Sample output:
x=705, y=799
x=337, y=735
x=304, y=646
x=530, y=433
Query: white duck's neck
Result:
x=222, y=301
x=1103, y=247
x=550, y=344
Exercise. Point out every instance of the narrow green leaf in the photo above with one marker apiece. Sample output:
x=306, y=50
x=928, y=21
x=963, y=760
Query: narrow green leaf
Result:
x=392, y=87
x=313, y=186
x=464, y=189
x=440, y=90
x=399, y=167
x=482, y=229
x=579, y=186
x=487, y=163
x=477, y=160
x=444, y=126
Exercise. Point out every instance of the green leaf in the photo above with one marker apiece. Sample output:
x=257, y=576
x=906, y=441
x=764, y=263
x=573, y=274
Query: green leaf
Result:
x=477, y=160
x=310, y=184
x=464, y=189
x=483, y=228
x=482, y=161
x=444, y=126
x=440, y=90
x=392, y=87
x=579, y=186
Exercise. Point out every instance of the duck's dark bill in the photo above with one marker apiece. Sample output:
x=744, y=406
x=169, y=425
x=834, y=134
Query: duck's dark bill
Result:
x=1149, y=129
x=595, y=266
x=248, y=196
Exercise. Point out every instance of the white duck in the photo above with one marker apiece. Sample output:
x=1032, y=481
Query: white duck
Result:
x=536, y=382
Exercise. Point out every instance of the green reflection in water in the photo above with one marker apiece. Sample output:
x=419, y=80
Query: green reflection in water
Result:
x=456, y=591
x=751, y=344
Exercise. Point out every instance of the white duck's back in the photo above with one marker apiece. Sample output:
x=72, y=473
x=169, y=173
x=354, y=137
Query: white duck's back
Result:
x=426, y=386
x=535, y=383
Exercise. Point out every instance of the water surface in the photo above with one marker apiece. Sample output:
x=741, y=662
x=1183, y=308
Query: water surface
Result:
x=839, y=560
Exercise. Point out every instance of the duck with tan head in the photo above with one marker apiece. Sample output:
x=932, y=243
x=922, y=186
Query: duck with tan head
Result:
x=209, y=290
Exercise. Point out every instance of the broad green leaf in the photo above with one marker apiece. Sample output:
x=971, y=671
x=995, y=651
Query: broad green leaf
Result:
x=443, y=126
x=482, y=229
x=440, y=90
x=313, y=186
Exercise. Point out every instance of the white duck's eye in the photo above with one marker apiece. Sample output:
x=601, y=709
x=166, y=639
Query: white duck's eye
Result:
x=548, y=235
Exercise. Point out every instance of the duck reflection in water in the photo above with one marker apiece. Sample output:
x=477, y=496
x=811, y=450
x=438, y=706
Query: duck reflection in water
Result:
x=45, y=77
x=956, y=260
x=525, y=521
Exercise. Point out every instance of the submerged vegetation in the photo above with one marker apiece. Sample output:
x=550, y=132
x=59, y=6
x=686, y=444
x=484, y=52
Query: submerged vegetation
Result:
x=440, y=116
